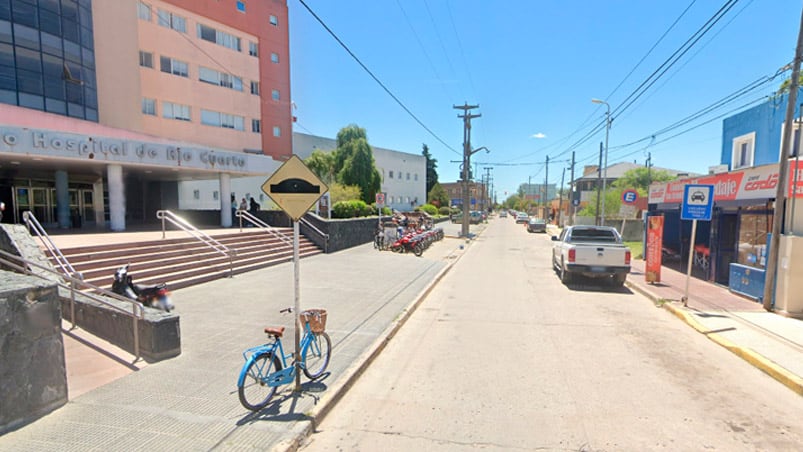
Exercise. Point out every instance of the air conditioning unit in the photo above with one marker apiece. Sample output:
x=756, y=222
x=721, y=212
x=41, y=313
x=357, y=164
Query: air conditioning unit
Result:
x=716, y=169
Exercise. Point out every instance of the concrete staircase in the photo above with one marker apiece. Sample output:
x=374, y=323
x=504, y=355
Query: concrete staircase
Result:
x=186, y=261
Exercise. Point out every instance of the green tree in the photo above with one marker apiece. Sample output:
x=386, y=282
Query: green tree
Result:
x=345, y=136
x=339, y=192
x=438, y=196
x=641, y=178
x=323, y=165
x=432, y=166
x=359, y=169
x=788, y=82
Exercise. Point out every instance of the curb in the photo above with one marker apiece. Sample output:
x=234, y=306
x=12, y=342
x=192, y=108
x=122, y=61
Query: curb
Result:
x=353, y=373
x=779, y=373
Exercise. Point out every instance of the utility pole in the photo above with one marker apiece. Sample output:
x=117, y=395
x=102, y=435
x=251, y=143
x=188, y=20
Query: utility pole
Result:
x=467, y=117
x=546, y=180
x=599, y=184
x=560, y=199
x=486, y=195
x=649, y=172
x=571, y=193
x=783, y=183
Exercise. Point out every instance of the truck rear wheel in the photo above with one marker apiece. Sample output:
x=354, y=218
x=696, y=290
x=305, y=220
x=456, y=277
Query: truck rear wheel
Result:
x=565, y=276
x=619, y=279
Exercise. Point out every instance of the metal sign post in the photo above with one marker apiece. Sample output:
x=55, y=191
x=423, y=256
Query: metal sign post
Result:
x=295, y=189
x=698, y=202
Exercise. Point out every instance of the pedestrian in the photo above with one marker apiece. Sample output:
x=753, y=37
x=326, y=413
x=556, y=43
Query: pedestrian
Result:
x=243, y=204
x=2, y=208
x=254, y=206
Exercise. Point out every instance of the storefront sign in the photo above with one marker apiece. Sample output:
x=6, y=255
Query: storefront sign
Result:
x=70, y=145
x=655, y=239
x=752, y=183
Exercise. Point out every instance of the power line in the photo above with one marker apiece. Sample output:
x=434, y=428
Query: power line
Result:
x=462, y=54
x=376, y=79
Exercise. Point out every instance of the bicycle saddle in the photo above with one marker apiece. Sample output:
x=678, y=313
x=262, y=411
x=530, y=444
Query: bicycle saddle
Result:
x=276, y=332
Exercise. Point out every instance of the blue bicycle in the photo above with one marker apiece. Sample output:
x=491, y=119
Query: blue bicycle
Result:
x=266, y=366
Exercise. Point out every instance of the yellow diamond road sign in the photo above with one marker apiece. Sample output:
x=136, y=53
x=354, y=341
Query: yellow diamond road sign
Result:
x=294, y=188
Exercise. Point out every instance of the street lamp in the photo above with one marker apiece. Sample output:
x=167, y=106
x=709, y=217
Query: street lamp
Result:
x=605, y=167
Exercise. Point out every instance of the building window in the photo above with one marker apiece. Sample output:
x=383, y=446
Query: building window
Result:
x=408, y=176
x=256, y=125
x=218, y=37
x=215, y=195
x=274, y=57
x=175, y=67
x=274, y=94
x=255, y=88
x=390, y=174
x=170, y=20
x=796, y=139
x=743, y=150
x=224, y=120
x=149, y=106
x=219, y=78
x=146, y=59
x=143, y=9
x=196, y=194
x=277, y=131
x=241, y=6
x=274, y=20
x=253, y=48
x=175, y=111
x=415, y=177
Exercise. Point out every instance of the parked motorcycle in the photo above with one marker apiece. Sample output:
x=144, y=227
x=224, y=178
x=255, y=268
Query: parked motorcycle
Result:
x=157, y=296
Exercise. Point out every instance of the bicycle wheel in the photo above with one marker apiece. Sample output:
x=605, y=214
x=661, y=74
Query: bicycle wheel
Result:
x=253, y=389
x=315, y=356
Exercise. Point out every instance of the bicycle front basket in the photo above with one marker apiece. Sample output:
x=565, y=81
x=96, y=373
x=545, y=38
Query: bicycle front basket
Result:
x=316, y=319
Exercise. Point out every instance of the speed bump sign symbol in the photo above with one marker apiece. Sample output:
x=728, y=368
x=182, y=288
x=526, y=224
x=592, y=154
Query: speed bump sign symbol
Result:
x=294, y=188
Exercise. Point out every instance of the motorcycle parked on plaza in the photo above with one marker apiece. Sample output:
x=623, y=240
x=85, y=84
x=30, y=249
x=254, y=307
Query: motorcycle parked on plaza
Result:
x=156, y=296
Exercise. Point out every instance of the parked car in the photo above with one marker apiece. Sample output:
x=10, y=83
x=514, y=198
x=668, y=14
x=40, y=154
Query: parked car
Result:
x=475, y=217
x=536, y=225
x=503, y=214
x=593, y=251
x=522, y=217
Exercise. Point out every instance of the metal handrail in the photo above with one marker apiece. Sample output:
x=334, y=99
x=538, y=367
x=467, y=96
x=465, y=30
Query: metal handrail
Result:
x=34, y=225
x=76, y=284
x=263, y=226
x=312, y=226
x=181, y=223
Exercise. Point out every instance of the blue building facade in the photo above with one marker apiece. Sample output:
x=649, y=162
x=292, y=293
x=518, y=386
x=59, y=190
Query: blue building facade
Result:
x=753, y=137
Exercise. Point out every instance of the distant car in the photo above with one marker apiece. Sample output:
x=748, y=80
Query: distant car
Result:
x=503, y=214
x=536, y=225
x=522, y=217
x=698, y=196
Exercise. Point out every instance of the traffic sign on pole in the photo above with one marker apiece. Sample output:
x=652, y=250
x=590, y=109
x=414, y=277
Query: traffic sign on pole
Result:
x=294, y=188
x=698, y=202
x=629, y=196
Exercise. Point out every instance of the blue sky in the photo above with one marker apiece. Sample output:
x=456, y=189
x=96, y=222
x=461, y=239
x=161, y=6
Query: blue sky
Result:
x=533, y=68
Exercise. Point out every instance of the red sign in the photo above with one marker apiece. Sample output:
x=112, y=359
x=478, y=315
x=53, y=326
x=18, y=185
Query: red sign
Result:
x=380, y=198
x=655, y=239
x=752, y=183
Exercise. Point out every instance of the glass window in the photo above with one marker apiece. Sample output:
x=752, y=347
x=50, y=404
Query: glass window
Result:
x=75, y=110
x=29, y=82
x=54, y=87
x=69, y=9
x=274, y=20
x=26, y=14
x=52, y=66
x=754, y=225
x=31, y=101
x=29, y=60
x=241, y=6
x=277, y=131
x=171, y=20
x=218, y=37
x=72, y=52
x=253, y=48
x=52, y=5
x=416, y=176
x=274, y=57
x=743, y=151
x=274, y=94
x=50, y=22
x=408, y=176
x=210, y=118
x=256, y=125
x=5, y=31
x=175, y=111
x=51, y=44
x=26, y=36
x=175, y=67
x=255, y=88
x=55, y=106
x=69, y=29
x=390, y=174
x=144, y=11
x=149, y=106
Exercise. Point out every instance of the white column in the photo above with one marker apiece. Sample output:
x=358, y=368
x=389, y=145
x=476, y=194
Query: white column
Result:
x=62, y=200
x=97, y=201
x=114, y=174
x=225, y=200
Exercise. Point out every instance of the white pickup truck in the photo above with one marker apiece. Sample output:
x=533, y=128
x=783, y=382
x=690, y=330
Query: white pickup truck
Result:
x=594, y=251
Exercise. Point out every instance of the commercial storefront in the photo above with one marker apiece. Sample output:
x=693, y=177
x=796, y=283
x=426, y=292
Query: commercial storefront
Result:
x=739, y=230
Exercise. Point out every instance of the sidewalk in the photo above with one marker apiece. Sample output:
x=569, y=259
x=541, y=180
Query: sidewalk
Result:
x=770, y=342
x=190, y=402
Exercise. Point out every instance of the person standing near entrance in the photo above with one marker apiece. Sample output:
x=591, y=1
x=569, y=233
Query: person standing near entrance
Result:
x=254, y=207
x=243, y=204
x=2, y=208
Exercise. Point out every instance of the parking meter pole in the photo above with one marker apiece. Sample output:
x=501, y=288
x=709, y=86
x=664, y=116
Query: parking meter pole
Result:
x=297, y=305
x=691, y=256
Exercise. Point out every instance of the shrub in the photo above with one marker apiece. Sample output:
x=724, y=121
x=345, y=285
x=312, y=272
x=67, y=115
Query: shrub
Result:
x=445, y=210
x=348, y=209
x=429, y=209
